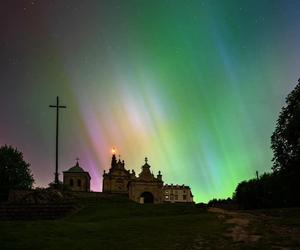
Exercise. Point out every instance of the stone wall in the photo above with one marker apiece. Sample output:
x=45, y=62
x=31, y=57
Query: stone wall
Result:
x=36, y=211
x=39, y=196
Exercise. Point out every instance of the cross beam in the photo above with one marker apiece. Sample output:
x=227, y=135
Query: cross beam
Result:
x=57, y=106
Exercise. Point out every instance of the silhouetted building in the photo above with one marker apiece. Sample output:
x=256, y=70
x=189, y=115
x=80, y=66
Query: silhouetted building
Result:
x=117, y=179
x=146, y=188
x=177, y=194
x=76, y=179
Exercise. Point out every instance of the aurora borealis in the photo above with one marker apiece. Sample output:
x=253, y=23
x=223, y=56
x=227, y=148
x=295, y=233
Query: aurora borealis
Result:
x=196, y=86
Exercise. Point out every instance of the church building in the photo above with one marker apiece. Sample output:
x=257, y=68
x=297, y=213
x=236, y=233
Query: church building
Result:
x=144, y=188
x=76, y=179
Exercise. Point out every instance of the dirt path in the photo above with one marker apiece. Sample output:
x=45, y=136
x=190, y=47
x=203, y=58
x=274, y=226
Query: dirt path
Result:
x=238, y=233
x=240, y=221
x=249, y=229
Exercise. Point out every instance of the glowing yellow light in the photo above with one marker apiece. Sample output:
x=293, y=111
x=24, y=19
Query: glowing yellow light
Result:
x=113, y=151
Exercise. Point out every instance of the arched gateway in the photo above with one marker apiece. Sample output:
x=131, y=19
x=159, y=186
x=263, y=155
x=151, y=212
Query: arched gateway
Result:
x=147, y=197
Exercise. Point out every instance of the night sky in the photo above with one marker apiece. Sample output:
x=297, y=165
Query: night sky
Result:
x=196, y=86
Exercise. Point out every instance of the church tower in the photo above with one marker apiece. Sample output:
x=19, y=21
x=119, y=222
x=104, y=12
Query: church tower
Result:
x=117, y=179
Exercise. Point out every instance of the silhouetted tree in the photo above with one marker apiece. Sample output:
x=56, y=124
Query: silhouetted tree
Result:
x=227, y=203
x=271, y=190
x=14, y=171
x=280, y=188
x=286, y=137
x=259, y=192
x=246, y=194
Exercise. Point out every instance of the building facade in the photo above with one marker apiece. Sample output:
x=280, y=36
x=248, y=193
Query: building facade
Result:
x=117, y=179
x=177, y=194
x=76, y=179
x=145, y=188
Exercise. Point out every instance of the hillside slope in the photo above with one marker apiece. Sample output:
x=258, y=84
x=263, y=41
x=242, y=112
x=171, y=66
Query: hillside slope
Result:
x=117, y=223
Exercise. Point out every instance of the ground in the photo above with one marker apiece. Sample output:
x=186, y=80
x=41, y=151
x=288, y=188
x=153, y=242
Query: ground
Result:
x=262, y=229
x=120, y=224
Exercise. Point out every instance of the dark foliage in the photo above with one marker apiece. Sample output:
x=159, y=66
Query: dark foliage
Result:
x=223, y=203
x=217, y=202
x=59, y=186
x=14, y=172
x=286, y=137
x=270, y=190
x=279, y=188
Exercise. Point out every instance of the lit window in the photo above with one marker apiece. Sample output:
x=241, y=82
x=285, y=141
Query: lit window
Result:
x=167, y=192
x=167, y=197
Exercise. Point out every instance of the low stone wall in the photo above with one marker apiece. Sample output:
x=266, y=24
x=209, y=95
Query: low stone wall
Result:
x=46, y=196
x=40, y=204
x=36, y=212
x=94, y=194
x=38, y=196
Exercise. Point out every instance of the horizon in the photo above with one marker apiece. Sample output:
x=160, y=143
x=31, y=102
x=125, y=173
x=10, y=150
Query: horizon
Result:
x=194, y=86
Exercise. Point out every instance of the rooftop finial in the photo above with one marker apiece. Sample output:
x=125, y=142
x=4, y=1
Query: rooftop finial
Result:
x=146, y=159
x=77, y=159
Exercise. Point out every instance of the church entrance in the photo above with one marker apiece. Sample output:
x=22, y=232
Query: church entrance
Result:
x=147, y=197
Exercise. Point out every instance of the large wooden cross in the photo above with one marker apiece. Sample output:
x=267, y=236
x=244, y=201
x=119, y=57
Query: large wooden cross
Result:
x=57, y=106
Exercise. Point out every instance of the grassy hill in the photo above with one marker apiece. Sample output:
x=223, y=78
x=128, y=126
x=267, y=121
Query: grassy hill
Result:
x=116, y=223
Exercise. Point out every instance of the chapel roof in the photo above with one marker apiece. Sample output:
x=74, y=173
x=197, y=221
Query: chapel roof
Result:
x=76, y=169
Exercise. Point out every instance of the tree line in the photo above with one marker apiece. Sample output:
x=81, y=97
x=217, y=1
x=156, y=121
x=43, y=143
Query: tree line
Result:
x=280, y=187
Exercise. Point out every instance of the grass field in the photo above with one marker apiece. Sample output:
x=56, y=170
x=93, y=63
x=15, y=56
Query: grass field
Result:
x=120, y=224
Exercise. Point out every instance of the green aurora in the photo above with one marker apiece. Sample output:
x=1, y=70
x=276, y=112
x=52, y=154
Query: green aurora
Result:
x=196, y=86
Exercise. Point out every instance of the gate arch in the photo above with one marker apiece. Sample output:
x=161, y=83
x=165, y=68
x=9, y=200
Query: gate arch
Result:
x=147, y=197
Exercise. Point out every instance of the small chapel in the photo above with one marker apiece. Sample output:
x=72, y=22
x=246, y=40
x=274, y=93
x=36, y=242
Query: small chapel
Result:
x=144, y=188
x=76, y=179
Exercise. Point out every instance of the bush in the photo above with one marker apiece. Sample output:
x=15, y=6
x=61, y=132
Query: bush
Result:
x=14, y=172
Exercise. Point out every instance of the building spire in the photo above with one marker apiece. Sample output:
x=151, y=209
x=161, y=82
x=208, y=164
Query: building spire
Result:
x=113, y=161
